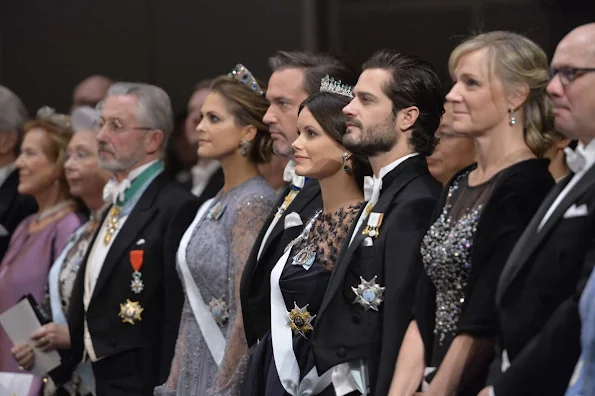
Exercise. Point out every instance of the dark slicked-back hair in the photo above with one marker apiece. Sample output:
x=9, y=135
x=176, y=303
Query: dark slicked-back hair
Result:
x=413, y=82
x=315, y=66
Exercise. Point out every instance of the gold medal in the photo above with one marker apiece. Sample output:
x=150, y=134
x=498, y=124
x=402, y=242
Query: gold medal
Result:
x=112, y=224
x=300, y=320
x=373, y=226
x=286, y=202
x=130, y=311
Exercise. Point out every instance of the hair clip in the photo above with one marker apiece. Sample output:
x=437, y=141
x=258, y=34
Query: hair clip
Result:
x=243, y=75
x=329, y=84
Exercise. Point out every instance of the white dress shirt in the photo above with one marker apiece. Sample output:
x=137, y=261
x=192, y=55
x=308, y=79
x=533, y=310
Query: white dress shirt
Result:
x=588, y=151
x=97, y=256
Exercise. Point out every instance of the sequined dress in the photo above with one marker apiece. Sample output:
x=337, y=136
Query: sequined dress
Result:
x=464, y=252
x=301, y=287
x=216, y=254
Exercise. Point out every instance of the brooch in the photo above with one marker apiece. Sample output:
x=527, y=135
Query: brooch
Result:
x=300, y=320
x=219, y=310
x=216, y=211
x=368, y=294
x=130, y=311
x=305, y=257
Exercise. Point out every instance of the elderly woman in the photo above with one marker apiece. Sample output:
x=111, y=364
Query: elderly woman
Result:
x=86, y=181
x=39, y=238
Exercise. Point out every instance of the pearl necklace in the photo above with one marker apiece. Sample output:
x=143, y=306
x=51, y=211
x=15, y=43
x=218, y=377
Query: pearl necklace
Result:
x=52, y=210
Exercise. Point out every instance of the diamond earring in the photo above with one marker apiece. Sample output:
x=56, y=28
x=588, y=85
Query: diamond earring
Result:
x=245, y=146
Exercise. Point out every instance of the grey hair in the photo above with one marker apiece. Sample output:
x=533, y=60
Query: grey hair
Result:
x=154, y=106
x=12, y=111
x=84, y=118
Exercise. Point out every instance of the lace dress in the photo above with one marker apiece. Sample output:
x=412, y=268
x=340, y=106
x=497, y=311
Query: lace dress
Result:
x=216, y=254
x=300, y=287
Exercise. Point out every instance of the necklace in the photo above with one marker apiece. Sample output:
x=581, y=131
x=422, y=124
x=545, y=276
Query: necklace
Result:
x=52, y=210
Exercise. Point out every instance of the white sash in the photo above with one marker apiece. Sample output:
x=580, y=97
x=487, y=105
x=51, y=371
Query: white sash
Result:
x=282, y=337
x=206, y=322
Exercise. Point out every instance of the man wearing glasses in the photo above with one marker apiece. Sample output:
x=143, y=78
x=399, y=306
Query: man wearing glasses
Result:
x=540, y=286
x=127, y=299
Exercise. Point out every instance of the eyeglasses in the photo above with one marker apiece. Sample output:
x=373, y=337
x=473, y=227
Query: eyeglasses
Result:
x=114, y=125
x=568, y=74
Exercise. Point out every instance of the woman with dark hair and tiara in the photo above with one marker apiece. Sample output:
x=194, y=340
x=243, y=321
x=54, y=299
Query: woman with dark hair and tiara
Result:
x=282, y=362
x=211, y=350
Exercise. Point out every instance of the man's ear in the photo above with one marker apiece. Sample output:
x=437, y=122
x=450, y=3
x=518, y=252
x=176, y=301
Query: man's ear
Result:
x=406, y=118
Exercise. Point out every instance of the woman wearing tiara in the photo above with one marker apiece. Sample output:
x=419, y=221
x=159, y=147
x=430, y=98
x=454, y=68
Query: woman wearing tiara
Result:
x=281, y=363
x=39, y=238
x=210, y=356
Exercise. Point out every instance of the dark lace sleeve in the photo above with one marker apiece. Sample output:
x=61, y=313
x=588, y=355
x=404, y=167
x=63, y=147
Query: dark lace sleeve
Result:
x=250, y=216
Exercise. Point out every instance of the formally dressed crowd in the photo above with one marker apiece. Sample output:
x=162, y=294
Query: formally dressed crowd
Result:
x=333, y=231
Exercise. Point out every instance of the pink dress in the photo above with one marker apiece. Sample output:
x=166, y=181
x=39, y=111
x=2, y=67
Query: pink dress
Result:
x=25, y=268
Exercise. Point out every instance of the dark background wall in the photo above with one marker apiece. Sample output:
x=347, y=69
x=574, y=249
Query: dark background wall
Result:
x=47, y=47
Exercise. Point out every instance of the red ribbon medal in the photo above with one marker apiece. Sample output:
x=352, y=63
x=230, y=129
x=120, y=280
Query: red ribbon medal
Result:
x=136, y=261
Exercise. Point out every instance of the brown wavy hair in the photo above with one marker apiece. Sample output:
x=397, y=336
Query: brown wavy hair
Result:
x=247, y=108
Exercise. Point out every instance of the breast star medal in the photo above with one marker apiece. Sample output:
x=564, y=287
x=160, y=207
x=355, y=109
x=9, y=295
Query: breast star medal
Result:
x=130, y=311
x=136, y=261
x=300, y=320
x=373, y=226
x=112, y=224
x=368, y=294
x=216, y=211
x=219, y=310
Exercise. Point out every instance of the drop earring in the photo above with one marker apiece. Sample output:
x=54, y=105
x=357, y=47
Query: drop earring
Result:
x=512, y=118
x=345, y=159
x=245, y=146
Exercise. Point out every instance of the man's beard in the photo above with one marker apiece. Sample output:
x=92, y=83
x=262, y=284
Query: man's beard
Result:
x=374, y=140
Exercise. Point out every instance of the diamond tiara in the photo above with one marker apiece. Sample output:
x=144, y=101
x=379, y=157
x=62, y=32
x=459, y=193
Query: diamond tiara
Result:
x=48, y=113
x=243, y=75
x=329, y=84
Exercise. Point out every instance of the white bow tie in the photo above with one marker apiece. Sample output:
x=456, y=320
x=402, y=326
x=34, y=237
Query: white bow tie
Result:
x=290, y=177
x=575, y=159
x=372, y=187
x=114, y=191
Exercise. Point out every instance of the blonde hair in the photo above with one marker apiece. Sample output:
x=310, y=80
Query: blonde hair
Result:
x=516, y=59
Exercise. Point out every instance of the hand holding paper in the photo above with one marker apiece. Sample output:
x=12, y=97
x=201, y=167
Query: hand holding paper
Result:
x=20, y=323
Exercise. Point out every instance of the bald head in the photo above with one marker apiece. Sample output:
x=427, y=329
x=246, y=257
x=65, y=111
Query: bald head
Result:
x=90, y=91
x=573, y=84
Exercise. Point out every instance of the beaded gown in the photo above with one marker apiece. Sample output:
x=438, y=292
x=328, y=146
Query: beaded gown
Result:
x=216, y=254
x=300, y=287
x=464, y=252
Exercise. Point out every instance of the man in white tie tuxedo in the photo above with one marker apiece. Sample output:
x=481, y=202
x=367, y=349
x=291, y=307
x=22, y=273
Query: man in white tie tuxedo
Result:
x=296, y=75
x=540, y=285
x=127, y=299
x=397, y=105
x=14, y=207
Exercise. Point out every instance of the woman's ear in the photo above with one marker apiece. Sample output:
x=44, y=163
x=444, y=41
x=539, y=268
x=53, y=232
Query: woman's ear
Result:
x=249, y=133
x=517, y=96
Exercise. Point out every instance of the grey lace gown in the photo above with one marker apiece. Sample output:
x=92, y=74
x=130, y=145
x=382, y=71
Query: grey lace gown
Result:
x=216, y=254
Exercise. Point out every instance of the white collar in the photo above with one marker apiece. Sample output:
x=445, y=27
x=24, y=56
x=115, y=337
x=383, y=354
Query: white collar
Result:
x=290, y=176
x=385, y=170
x=137, y=171
x=588, y=151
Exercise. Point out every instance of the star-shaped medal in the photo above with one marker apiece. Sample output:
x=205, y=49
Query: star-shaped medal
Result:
x=300, y=320
x=219, y=310
x=130, y=311
x=368, y=294
x=136, y=285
